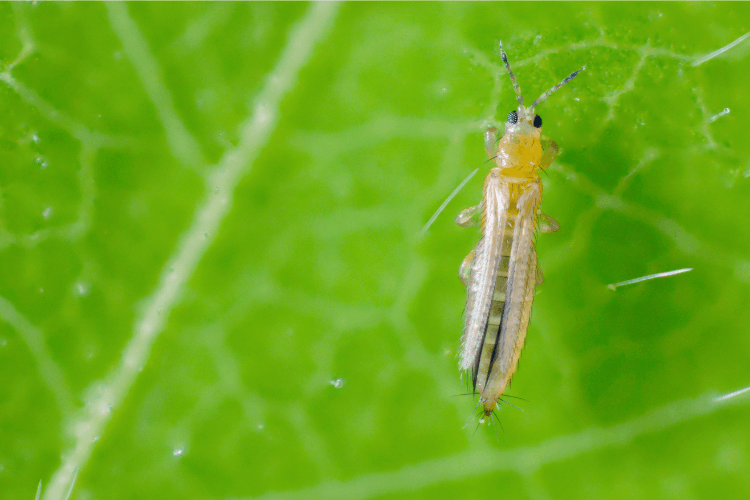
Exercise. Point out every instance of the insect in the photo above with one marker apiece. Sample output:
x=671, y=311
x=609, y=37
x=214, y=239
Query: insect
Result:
x=501, y=273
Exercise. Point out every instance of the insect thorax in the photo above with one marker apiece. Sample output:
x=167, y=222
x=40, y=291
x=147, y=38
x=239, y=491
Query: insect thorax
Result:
x=519, y=156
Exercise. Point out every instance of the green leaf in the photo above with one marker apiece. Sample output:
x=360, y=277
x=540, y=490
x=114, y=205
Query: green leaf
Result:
x=215, y=281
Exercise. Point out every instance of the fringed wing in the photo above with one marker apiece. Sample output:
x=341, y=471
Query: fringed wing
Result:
x=483, y=275
x=519, y=294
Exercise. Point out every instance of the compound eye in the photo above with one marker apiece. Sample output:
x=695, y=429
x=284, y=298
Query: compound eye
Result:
x=513, y=117
x=538, y=121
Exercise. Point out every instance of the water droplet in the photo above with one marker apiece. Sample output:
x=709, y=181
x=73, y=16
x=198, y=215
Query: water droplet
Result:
x=178, y=452
x=41, y=162
x=337, y=383
x=261, y=427
x=47, y=212
x=261, y=113
x=82, y=288
x=35, y=138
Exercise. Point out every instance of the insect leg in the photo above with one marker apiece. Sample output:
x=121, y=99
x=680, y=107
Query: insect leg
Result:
x=539, y=275
x=549, y=151
x=490, y=142
x=470, y=216
x=547, y=224
x=465, y=270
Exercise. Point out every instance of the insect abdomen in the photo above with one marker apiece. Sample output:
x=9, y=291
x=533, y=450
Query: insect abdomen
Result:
x=496, y=312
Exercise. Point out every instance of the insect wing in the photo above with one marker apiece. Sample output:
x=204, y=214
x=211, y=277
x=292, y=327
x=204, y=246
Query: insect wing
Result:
x=519, y=294
x=483, y=274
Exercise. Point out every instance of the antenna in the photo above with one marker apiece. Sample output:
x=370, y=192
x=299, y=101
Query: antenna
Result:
x=516, y=87
x=554, y=89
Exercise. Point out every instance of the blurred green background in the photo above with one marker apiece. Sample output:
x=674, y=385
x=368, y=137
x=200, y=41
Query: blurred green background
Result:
x=214, y=284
